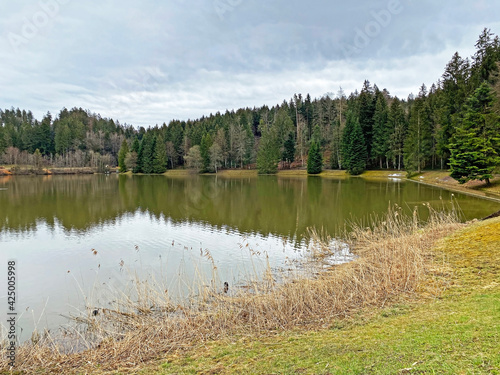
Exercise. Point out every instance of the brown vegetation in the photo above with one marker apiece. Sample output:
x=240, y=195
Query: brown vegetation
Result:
x=392, y=258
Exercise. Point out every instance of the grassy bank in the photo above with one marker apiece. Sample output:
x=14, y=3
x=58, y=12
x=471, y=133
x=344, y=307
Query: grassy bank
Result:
x=435, y=178
x=394, y=267
x=456, y=331
x=478, y=188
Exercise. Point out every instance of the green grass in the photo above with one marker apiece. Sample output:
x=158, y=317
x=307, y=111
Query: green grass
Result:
x=447, y=336
x=450, y=325
x=455, y=333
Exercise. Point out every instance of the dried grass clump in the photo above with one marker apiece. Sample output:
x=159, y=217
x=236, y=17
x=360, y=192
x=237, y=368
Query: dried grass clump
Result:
x=391, y=257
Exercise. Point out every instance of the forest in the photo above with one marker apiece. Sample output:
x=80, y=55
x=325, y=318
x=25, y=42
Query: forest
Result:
x=454, y=124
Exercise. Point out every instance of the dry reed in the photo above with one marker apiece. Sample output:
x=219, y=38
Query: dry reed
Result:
x=391, y=260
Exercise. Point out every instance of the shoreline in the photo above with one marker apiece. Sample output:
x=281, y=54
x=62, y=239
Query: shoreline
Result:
x=441, y=179
x=436, y=178
x=407, y=324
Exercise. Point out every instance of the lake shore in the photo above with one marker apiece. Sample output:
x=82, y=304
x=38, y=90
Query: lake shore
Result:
x=477, y=188
x=410, y=326
x=452, y=331
x=28, y=170
x=434, y=178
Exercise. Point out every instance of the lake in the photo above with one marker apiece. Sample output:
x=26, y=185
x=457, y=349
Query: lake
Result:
x=80, y=240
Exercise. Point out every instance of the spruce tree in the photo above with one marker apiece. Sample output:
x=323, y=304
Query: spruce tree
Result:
x=268, y=155
x=136, y=145
x=63, y=139
x=397, y=126
x=366, y=102
x=122, y=154
x=140, y=153
x=160, y=156
x=138, y=150
x=354, y=151
x=418, y=142
x=359, y=154
x=314, y=159
x=475, y=147
x=206, y=143
x=381, y=130
x=146, y=153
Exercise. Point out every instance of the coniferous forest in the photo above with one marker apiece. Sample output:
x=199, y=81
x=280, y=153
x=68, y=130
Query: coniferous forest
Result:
x=453, y=124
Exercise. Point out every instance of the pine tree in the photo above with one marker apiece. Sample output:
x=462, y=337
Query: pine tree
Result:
x=417, y=148
x=358, y=151
x=160, y=156
x=206, y=143
x=136, y=145
x=43, y=135
x=354, y=152
x=381, y=130
x=122, y=154
x=268, y=154
x=63, y=138
x=486, y=57
x=366, y=112
x=314, y=159
x=146, y=153
x=475, y=147
x=397, y=133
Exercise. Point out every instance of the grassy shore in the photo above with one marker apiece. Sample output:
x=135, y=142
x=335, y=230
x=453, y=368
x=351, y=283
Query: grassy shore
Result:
x=443, y=179
x=414, y=301
x=456, y=331
x=417, y=300
x=435, y=178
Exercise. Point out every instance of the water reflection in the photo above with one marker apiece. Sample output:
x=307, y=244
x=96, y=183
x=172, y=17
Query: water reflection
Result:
x=76, y=238
x=284, y=207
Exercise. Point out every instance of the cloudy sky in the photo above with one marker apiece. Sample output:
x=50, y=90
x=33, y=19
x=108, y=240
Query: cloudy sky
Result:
x=148, y=62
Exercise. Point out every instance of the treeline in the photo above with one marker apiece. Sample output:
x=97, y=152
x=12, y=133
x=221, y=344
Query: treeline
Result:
x=452, y=124
x=76, y=138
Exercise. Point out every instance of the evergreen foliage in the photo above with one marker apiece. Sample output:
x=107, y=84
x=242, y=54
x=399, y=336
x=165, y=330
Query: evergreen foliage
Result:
x=160, y=156
x=289, y=150
x=438, y=128
x=417, y=147
x=381, y=130
x=206, y=143
x=475, y=147
x=354, y=152
x=122, y=154
x=268, y=155
x=314, y=159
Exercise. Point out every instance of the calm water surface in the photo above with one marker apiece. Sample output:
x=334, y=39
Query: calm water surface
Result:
x=78, y=239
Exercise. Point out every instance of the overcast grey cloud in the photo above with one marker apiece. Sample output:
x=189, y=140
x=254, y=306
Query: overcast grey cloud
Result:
x=149, y=62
